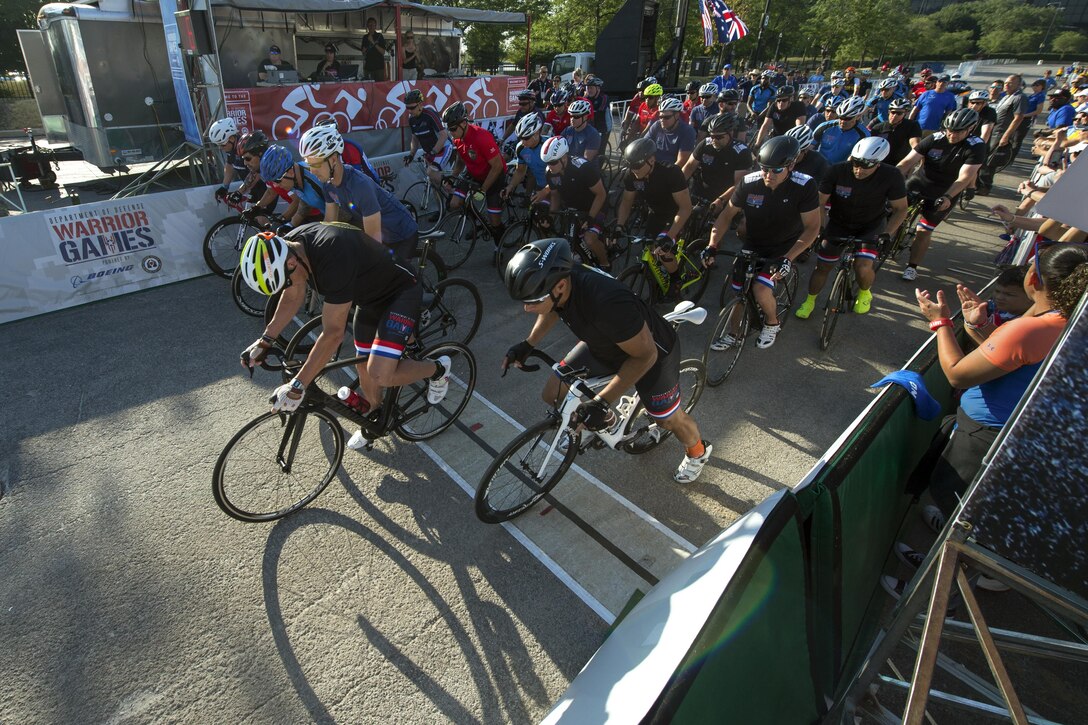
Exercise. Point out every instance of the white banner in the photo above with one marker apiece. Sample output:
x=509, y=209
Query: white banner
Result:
x=64, y=257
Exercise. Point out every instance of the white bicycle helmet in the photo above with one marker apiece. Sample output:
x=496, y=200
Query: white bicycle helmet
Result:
x=837, y=74
x=580, y=107
x=888, y=84
x=221, y=131
x=851, y=108
x=873, y=149
x=263, y=264
x=554, y=149
x=708, y=89
x=979, y=96
x=321, y=141
x=803, y=134
x=528, y=125
x=672, y=104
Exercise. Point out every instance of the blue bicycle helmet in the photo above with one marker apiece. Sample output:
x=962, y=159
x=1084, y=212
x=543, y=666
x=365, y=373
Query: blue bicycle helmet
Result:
x=275, y=162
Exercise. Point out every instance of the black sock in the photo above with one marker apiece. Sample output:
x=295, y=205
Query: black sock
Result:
x=439, y=371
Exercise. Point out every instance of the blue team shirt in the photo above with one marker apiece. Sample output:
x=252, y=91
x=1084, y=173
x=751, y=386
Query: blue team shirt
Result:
x=588, y=139
x=309, y=191
x=834, y=144
x=724, y=84
x=670, y=144
x=1034, y=100
x=1061, y=117
x=933, y=107
x=992, y=403
x=879, y=106
x=360, y=197
x=759, y=97
x=531, y=157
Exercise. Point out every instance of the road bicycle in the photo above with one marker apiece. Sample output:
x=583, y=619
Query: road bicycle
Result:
x=649, y=279
x=456, y=233
x=904, y=236
x=224, y=241
x=279, y=462
x=534, y=462
x=844, y=289
x=428, y=200
x=741, y=315
x=566, y=223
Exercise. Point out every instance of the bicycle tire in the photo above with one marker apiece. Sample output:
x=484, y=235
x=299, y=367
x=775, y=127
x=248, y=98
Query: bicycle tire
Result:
x=272, y=362
x=419, y=419
x=833, y=308
x=245, y=297
x=453, y=315
x=513, y=482
x=640, y=282
x=720, y=363
x=244, y=458
x=458, y=237
x=433, y=272
x=645, y=433
x=222, y=245
x=428, y=203
x=302, y=343
x=964, y=202
x=516, y=236
x=785, y=292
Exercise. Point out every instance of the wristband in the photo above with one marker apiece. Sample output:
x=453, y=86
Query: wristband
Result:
x=939, y=323
x=298, y=387
x=270, y=340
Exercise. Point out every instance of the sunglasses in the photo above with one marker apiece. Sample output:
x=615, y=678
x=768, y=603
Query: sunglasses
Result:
x=898, y=112
x=556, y=162
x=537, y=300
x=524, y=103
x=772, y=169
x=412, y=107
x=453, y=127
x=578, y=115
x=249, y=157
x=728, y=103
x=863, y=163
x=667, y=116
x=719, y=135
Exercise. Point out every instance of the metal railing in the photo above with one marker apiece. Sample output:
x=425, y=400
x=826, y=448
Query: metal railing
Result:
x=15, y=86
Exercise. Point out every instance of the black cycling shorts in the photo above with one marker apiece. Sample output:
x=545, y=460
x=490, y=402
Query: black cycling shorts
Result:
x=830, y=252
x=659, y=388
x=762, y=270
x=930, y=217
x=385, y=332
x=493, y=201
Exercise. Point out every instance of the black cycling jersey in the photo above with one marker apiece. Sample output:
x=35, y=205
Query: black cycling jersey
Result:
x=426, y=127
x=235, y=160
x=859, y=203
x=773, y=216
x=986, y=115
x=897, y=136
x=813, y=164
x=942, y=160
x=348, y=266
x=786, y=118
x=657, y=189
x=603, y=311
x=600, y=112
x=718, y=167
x=575, y=184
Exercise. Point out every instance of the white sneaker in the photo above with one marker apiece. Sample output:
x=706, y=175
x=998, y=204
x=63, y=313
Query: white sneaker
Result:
x=767, y=336
x=437, y=389
x=933, y=517
x=724, y=342
x=910, y=274
x=690, y=468
x=357, y=442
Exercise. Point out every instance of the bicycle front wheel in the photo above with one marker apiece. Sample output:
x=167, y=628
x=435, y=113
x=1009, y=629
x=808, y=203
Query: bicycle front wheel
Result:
x=223, y=245
x=420, y=420
x=457, y=238
x=452, y=315
x=644, y=433
x=835, y=306
x=641, y=282
x=525, y=471
x=247, y=299
x=428, y=204
x=726, y=341
x=516, y=236
x=276, y=464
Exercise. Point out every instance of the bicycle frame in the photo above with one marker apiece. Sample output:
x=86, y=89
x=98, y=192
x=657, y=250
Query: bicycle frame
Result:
x=657, y=270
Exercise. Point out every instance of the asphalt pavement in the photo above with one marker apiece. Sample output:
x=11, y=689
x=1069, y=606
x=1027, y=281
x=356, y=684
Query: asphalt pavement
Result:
x=127, y=596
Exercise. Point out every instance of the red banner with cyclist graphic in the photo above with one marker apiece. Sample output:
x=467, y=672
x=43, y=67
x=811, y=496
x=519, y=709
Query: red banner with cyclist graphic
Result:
x=286, y=112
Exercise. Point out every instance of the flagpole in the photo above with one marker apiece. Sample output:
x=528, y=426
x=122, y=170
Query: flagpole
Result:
x=759, y=38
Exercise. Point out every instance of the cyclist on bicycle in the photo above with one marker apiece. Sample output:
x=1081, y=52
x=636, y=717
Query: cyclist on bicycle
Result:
x=808, y=160
x=575, y=183
x=429, y=134
x=950, y=161
x=224, y=134
x=583, y=139
x=599, y=115
x=647, y=111
x=987, y=116
x=527, y=153
x=834, y=95
x=672, y=135
x=664, y=190
x=253, y=146
x=557, y=117
x=719, y=163
x=618, y=333
x=354, y=195
x=692, y=100
x=478, y=154
x=782, y=218
x=879, y=104
x=353, y=154
x=857, y=194
x=526, y=106
x=782, y=116
x=350, y=270
x=835, y=139
x=708, y=96
x=901, y=133
x=294, y=184
x=761, y=95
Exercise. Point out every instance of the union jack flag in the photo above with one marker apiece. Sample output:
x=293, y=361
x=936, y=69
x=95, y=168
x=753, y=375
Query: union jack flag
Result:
x=720, y=24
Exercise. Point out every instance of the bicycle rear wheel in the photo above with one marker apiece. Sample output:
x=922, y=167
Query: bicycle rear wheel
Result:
x=276, y=464
x=419, y=420
x=734, y=319
x=458, y=237
x=641, y=283
x=428, y=203
x=525, y=471
x=223, y=245
x=245, y=297
x=452, y=315
x=645, y=434
x=834, y=307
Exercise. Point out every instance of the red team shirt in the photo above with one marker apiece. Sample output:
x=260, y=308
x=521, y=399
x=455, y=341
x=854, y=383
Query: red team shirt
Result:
x=647, y=115
x=477, y=147
x=559, y=122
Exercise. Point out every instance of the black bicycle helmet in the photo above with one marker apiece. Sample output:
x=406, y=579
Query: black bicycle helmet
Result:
x=639, y=86
x=537, y=267
x=730, y=94
x=254, y=142
x=691, y=86
x=638, y=151
x=779, y=151
x=526, y=95
x=785, y=92
x=595, y=81
x=455, y=114
x=413, y=96
x=900, y=104
x=961, y=119
x=722, y=123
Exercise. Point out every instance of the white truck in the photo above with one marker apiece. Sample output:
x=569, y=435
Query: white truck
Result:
x=563, y=65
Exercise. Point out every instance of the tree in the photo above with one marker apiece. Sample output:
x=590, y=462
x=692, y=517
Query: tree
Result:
x=1070, y=41
x=484, y=45
x=15, y=15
